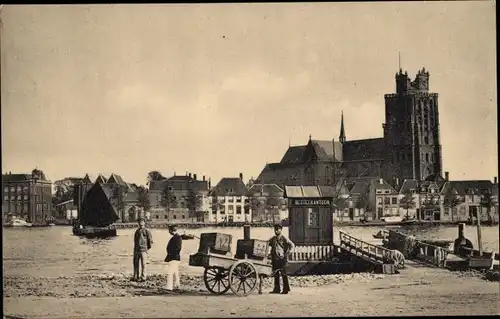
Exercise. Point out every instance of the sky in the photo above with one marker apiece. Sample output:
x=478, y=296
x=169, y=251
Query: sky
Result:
x=222, y=89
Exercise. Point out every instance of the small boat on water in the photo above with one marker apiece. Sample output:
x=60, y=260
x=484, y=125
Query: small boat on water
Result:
x=379, y=235
x=17, y=222
x=187, y=236
x=392, y=219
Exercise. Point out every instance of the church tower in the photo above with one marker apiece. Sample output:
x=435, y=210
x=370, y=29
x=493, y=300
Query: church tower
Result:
x=411, y=129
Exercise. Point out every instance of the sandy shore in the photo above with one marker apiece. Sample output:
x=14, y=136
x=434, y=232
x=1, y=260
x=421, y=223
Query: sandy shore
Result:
x=416, y=291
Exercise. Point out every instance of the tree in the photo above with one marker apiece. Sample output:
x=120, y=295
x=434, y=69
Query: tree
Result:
x=451, y=201
x=194, y=202
x=118, y=199
x=272, y=203
x=167, y=200
x=488, y=202
x=407, y=201
x=143, y=198
x=254, y=205
x=155, y=176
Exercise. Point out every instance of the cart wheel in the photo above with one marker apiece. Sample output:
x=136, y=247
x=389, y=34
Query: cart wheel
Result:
x=216, y=280
x=243, y=278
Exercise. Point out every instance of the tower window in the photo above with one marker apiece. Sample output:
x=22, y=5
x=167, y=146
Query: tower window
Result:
x=426, y=157
x=432, y=157
x=426, y=139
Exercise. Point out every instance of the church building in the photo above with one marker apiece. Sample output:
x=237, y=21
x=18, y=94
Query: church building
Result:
x=409, y=149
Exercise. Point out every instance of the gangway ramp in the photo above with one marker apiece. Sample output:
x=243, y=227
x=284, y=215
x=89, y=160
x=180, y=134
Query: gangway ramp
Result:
x=373, y=254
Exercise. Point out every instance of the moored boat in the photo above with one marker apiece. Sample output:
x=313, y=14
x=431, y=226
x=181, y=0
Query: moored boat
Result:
x=187, y=236
x=17, y=222
x=96, y=213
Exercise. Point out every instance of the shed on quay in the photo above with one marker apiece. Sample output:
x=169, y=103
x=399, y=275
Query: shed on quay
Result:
x=311, y=229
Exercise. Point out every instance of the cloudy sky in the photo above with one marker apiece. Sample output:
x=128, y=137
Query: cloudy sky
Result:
x=221, y=89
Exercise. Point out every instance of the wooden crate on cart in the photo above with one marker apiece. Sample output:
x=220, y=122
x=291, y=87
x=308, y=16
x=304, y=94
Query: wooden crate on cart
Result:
x=218, y=243
x=255, y=249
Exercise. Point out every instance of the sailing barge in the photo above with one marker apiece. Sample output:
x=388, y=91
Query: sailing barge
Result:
x=96, y=212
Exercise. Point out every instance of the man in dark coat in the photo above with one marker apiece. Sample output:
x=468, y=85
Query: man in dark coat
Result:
x=143, y=240
x=280, y=249
x=173, y=258
x=462, y=242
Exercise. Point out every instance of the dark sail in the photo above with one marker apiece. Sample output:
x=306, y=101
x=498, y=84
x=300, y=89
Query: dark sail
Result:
x=97, y=208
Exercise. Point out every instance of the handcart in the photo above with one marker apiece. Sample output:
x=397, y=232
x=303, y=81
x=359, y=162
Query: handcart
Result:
x=242, y=273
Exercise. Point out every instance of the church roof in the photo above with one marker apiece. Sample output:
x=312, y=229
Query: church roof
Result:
x=363, y=149
x=293, y=154
x=324, y=150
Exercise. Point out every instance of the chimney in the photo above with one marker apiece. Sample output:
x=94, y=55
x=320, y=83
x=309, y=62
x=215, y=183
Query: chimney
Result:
x=381, y=181
x=241, y=176
x=209, y=183
x=189, y=175
x=203, y=177
x=446, y=176
x=174, y=173
x=397, y=181
x=495, y=181
x=194, y=176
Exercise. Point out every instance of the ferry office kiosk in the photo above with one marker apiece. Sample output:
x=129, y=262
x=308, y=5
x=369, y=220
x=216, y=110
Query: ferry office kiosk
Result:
x=310, y=215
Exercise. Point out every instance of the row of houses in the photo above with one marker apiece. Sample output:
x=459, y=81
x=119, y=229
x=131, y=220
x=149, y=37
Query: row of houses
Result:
x=233, y=200
x=435, y=198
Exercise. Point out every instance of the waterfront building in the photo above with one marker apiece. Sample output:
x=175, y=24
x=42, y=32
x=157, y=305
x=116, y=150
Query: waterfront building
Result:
x=28, y=196
x=229, y=201
x=469, y=195
x=180, y=187
x=409, y=149
x=352, y=204
x=267, y=203
x=383, y=199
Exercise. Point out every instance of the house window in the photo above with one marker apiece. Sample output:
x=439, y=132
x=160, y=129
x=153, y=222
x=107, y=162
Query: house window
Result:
x=6, y=189
x=175, y=217
x=222, y=210
x=379, y=200
x=387, y=191
x=157, y=217
x=170, y=188
x=412, y=191
x=238, y=199
x=12, y=189
x=165, y=216
x=387, y=200
x=6, y=197
x=12, y=197
x=394, y=200
x=238, y=210
x=230, y=199
x=312, y=217
x=379, y=191
x=18, y=197
x=183, y=216
x=231, y=209
x=247, y=210
x=25, y=188
x=18, y=188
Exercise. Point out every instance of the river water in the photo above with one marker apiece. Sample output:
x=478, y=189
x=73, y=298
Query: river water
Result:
x=55, y=251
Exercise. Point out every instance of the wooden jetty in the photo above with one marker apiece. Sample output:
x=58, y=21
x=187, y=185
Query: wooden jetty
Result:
x=311, y=229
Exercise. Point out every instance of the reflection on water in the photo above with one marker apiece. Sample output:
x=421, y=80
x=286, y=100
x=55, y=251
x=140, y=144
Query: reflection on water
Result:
x=56, y=252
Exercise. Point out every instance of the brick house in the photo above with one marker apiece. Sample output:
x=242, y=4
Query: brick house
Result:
x=229, y=201
x=28, y=196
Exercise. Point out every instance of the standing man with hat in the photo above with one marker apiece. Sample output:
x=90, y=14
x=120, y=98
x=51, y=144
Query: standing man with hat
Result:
x=280, y=249
x=173, y=258
x=143, y=240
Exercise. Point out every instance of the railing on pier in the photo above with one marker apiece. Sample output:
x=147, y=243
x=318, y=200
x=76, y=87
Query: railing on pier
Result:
x=313, y=252
x=431, y=254
x=374, y=254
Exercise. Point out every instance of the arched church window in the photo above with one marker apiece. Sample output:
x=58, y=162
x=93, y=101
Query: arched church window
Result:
x=432, y=157
x=427, y=157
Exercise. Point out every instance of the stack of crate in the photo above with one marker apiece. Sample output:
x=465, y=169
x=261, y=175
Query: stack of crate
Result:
x=252, y=249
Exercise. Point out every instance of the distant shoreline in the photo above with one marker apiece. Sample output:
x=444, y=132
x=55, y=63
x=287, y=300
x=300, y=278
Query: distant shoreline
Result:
x=196, y=225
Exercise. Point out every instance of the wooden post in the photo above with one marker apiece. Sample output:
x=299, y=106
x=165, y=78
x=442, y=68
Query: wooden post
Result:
x=479, y=241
